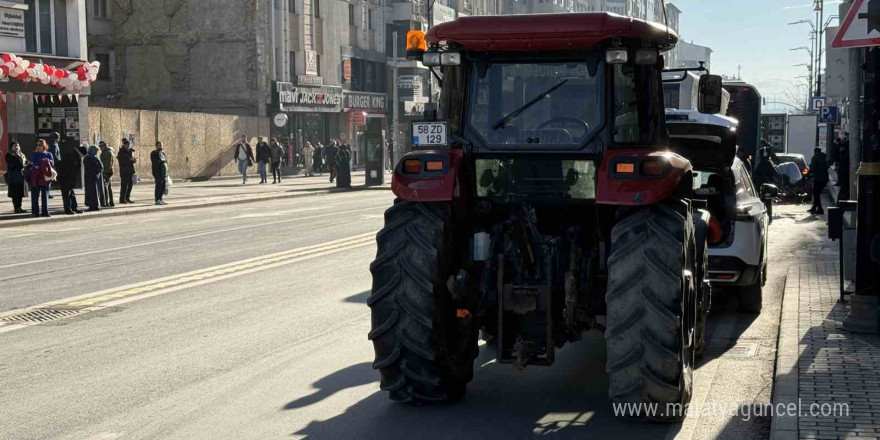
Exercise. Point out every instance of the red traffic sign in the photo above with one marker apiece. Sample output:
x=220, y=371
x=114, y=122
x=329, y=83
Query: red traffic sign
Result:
x=861, y=26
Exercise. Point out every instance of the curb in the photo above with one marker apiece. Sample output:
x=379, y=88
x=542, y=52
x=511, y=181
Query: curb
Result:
x=785, y=375
x=152, y=209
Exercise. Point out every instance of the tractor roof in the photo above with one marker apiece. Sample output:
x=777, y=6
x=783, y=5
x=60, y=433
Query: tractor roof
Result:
x=517, y=33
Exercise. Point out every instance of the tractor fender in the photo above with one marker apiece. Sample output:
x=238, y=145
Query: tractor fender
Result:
x=618, y=183
x=425, y=185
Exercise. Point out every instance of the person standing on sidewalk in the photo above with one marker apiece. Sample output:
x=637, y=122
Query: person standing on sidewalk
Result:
x=15, y=163
x=39, y=179
x=160, y=171
x=108, y=160
x=842, y=161
x=276, y=155
x=330, y=152
x=55, y=150
x=308, y=152
x=126, y=158
x=93, y=179
x=318, y=166
x=263, y=158
x=244, y=157
x=343, y=170
x=819, y=173
x=68, y=172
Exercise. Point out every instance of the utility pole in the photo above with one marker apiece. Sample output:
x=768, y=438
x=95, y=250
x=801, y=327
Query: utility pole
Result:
x=820, y=47
x=396, y=103
x=864, y=314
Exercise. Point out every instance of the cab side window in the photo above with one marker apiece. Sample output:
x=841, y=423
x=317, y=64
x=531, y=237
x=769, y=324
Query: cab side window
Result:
x=742, y=188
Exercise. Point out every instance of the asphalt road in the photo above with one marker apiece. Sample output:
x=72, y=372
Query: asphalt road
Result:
x=249, y=321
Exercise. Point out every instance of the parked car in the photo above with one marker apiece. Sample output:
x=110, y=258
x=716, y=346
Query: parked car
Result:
x=739, y=214
x=803, y=186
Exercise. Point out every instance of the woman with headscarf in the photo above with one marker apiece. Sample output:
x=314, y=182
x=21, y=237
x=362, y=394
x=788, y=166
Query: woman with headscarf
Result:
x=94, y=180
x=308, y=152
x=15, y=163
x=319, y=159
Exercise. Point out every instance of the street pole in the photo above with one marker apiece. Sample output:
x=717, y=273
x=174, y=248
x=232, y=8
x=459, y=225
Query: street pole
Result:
x=864, y=313
x=821, y=47
x=396, y=104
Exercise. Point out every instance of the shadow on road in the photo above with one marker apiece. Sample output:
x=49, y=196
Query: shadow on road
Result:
x=567, y=400
x=360, y=298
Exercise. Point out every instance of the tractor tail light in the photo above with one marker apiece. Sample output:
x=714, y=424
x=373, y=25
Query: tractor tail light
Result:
x=434, y=165
x=653, y=168
x=625, y=167
x=412, y=166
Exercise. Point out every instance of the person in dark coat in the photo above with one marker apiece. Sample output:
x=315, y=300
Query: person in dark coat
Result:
x=160, y=171
x=843, y=176
x=15, y=163
x=766, y=171
x=108, y=160
x=93, y=182
x=68, y=172
x=276, y=155
x=263, y=158
x=330, y=152
x=318, y=160
x=126, y=158
x=55, y=150
x=819, y=173
x=343, y=169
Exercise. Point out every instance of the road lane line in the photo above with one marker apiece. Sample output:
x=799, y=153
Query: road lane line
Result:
x=125, y=294
x=184, y=237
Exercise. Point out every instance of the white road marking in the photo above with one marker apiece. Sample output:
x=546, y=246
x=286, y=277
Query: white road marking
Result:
x=22, y=235
x=282, y=213
x=184, y=237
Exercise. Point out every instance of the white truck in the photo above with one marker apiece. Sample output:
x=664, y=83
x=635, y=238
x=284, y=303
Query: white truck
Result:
x=801, y=136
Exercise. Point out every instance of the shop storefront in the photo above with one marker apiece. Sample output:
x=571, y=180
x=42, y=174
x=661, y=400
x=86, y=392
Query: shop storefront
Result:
x=313, y=113
x=365, y=118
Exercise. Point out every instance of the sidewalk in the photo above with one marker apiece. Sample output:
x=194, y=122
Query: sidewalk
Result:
x=831, y=375
x=184, y=195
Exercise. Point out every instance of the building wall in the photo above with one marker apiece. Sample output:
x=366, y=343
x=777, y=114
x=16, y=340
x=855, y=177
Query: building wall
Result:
x=690, y=55
x=209, y=55
x=836, y=79
x=198, y=145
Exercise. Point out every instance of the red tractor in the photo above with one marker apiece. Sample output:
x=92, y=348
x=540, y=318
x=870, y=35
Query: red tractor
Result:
x=539, y=202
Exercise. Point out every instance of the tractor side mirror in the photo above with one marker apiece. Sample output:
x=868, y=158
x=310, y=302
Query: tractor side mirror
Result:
x=769, y=191
x=710, y=94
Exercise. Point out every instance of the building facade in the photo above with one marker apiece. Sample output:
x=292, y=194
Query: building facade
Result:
x=773, y=126
x=49, y=33
x=691, y=55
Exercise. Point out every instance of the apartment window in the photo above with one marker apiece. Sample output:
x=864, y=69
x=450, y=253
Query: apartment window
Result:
x=46, y=27
x=316, y=8
x=350, y=14
x=100, y=10
x=318, y=57
x=291, y=7
x=370, y=20
x=292, y=64
x=104, y=71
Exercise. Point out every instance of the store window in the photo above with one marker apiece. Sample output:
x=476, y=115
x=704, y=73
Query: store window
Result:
x=351, y=14
x=367, y=76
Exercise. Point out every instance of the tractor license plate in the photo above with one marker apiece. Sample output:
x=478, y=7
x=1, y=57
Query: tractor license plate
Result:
x=429, y=134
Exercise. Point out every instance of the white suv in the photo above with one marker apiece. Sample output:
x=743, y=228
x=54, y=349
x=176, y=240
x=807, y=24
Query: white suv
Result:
x=737, y=233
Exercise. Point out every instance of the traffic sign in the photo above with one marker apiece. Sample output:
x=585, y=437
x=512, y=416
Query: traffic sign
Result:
x=828, y=115
x=817, y=102
x=861, y=26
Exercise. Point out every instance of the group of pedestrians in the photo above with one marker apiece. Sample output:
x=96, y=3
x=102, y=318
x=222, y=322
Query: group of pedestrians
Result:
x=335, y=158
x=766, y=172
x=98, y=164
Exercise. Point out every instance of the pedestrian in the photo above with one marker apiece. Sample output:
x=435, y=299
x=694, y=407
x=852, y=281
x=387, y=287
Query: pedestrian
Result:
x=263, y=158
x=126, y=158
x=42, y=173
x=15, y=163
x=766, y=171
x=819, y=173
x=68, y=173
x=93, y=179
x=343, y=169
x=743, y=155
x=330, y=152
x=389, y=161
x=319, y=159
x=55, y=150
x=276, y=155
x=160, y=171
x=244, y=157
x=108, y=160
x=308, y=152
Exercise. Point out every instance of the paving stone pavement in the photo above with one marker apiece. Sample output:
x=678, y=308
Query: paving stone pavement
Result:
x=833, y=376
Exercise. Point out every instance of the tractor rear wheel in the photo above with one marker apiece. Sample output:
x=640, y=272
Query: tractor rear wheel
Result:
x=425, y=347
x=651, y=303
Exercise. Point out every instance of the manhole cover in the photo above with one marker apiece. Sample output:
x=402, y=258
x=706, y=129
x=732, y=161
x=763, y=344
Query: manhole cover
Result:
x=39, y=315
x=741, y=350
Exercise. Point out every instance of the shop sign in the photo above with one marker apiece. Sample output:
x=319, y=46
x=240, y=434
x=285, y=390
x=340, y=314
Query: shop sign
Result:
x=280, y=120
x=358, y=118
x=311, y=62
x=346, y=69
x=12, y=22
x=366, y=101
x=306, y=80
x=292, y=98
